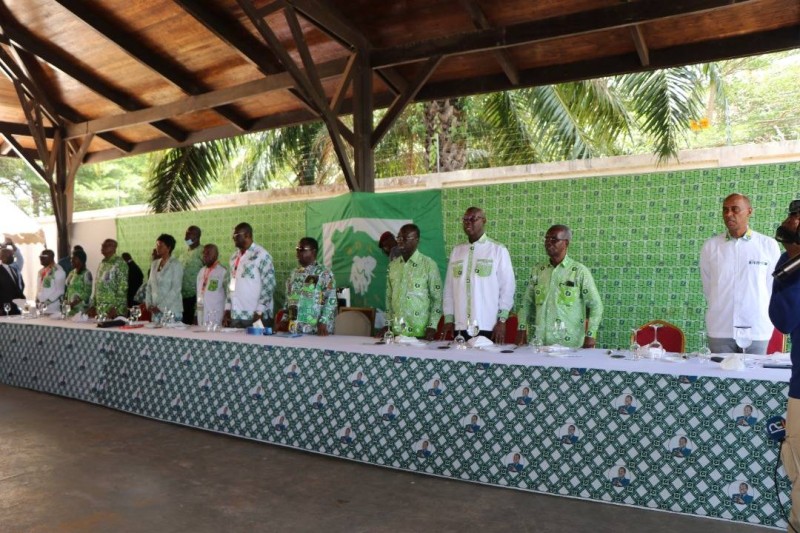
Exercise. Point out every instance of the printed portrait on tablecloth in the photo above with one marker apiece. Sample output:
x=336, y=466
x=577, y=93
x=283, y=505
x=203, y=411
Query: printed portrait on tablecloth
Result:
x=389, y=412
x=279, y=422
x=741, y=493
x=291, y=371
x=745, y=415
x=619, y=476
x=358, y=379
x=522, y=395
x=257, y=392
x=472, y=423
x=346, y=435
x=680, y=447
x=434, y=387
x=424, y=449
x=626, y=404
x=569, y=434
x=318, y=401
x=514, y=463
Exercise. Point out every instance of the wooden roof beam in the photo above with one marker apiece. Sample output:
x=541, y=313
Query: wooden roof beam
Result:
x=332, y=22
x=701, y=52
x=640, y=44
x=482, y=23
x=605, y=18
x=164, y=66
x=58, y=59
x=196, y=103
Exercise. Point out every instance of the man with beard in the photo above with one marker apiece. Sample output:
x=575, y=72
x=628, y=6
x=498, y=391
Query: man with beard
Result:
x=736, y=270
x=784, y=311
x=479, y=286
x=558, y=295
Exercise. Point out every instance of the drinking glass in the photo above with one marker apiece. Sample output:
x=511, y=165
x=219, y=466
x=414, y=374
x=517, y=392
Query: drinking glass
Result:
x=743, y=337
x=401, y=328
x=703, y=352
x=472, y=328
x=635, y=346
x=388, y=337
x=7, y=308
x=460, y=341
x=534, y=340
x=656, y=348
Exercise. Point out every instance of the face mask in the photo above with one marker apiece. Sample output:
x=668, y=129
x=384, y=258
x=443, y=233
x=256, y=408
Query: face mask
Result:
x=189, y=242
x=785, y=236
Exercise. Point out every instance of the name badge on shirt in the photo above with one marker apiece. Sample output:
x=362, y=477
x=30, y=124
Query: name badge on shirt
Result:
x=232, y=285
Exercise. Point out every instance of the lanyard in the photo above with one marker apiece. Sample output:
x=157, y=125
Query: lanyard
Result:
x=45, y=272
x=236, y=265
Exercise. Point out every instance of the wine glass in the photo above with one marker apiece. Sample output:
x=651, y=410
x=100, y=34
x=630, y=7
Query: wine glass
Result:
x=7, y=308
x=635, y=346
x=534, y=339
x=460, y=341
x=744, y=338
x=472, y=328
x=388, y=336
x=401, y=328
x=656, y=348
x=559, y=332
x=703, y=352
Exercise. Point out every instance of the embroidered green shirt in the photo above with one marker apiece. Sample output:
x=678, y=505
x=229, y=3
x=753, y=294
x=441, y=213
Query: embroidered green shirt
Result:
x=561, y=295
x=414, y=292
x=112, y=285
x=311, y=291
x=79, y=291
x=192, y=262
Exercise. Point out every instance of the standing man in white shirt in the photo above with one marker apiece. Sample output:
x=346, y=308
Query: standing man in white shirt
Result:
x=210, y=288
x=250, y=281
x=50, y=282
x=479, y=286
x=736, y=268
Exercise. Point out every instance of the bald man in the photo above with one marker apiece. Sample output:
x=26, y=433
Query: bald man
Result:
x=211, y=287
x=736, y=268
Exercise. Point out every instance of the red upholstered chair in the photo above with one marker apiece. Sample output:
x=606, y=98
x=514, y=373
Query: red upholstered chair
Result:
x=777, y=343
x=669, y=335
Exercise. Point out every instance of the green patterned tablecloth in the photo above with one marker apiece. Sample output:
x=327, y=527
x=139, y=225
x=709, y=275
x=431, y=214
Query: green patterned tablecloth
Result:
x=670, y=442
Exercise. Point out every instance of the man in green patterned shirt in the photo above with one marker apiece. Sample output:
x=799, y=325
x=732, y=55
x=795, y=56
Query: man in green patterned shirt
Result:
x=310, y=292
x=192, y=261
x=558, y=296
x=111, y=285
x=413, y=287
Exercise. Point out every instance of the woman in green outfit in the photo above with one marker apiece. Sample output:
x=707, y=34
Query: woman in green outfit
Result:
x=79, y=284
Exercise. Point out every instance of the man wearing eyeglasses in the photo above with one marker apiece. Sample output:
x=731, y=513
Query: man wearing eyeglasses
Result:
x=414, y=287
x=250, y=281
x=310, y=292
x=558, y=295
x=736, y=269
x=479, y=287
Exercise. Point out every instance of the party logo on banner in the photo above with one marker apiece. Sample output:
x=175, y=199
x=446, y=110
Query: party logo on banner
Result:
x=348, y=228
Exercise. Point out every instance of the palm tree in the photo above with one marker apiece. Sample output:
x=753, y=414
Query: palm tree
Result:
x=549, y=123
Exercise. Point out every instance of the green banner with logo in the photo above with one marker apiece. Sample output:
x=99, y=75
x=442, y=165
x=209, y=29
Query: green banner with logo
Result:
x=348, y=228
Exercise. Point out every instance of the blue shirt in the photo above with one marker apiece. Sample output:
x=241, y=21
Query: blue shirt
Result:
x=784, y=312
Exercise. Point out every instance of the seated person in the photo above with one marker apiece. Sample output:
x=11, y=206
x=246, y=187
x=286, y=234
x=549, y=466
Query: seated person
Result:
x=570, y=437
x=515, y=466
x=741, y=497
x=621, y=480
x=473, y=426
x=628, y=408
x=682, y=450
x=747, y=419
x=525, y=398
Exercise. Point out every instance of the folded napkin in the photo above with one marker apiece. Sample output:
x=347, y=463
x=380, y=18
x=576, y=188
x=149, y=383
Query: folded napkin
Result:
x=411, y=341
x=479, y=342
x=649, y=352
x=779, y=357
x=555, y=348
x=734, y=361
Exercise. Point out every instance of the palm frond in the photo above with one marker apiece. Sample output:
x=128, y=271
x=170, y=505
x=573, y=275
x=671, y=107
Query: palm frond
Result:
x=180, y=175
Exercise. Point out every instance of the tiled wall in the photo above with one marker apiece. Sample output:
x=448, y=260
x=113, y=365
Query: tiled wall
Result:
x=640, y=234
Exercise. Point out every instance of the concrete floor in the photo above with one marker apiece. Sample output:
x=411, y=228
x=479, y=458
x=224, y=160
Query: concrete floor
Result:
x=68, y=466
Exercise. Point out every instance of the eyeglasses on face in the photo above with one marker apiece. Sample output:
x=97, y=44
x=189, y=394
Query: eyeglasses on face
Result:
x=303, y=249
x=553, y=239
x=400, y=238
x=471, y=218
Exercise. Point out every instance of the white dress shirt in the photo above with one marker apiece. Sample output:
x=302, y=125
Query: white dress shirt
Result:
x=479, y=284
x=211, y=294
x=737, y=283
x=50, y=287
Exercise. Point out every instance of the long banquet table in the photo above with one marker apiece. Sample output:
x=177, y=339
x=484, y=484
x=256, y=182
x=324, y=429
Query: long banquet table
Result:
x=663, y=434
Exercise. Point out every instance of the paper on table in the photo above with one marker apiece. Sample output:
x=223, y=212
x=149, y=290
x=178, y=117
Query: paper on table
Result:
x=410, y=341
x=479, y=342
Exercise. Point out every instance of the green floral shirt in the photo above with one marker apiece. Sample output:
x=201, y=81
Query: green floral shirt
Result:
x=79, y=291
x=192, y=261
x=312, y=290
x=561, y=294
x=112, y=285
x=414, y=292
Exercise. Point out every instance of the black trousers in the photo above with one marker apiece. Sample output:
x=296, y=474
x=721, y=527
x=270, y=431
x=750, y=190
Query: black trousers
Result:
x=189, y=305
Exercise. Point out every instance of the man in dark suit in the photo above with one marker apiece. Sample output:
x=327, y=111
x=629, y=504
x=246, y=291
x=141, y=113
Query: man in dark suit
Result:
x=10, y=282
x=135, y=277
